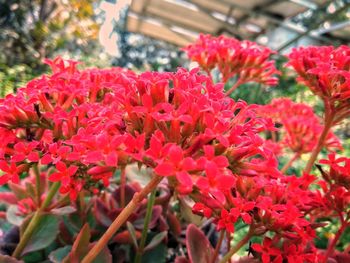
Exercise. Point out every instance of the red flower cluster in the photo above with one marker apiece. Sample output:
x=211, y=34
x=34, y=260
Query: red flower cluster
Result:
x=244, y=60
x=300, y=126
x=89, y=123
x=325, y=70
x=276, y=205
x=336, y=186
x=81, y=126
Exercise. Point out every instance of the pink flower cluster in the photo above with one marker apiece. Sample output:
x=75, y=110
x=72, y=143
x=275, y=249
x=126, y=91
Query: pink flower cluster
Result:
x=300, y=126
x=86, y=124
x=245, y=60
x=325, y=70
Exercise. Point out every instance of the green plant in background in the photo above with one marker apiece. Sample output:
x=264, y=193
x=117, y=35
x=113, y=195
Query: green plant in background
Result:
x=11, y=78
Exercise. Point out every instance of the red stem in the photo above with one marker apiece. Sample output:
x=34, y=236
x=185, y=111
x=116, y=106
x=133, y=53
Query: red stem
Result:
x=330, y=249
x=320, y=143
x=122, y=187
x=232, y=89
x=290, y=162
x=121, y=219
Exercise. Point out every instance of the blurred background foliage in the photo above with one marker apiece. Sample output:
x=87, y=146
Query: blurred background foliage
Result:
x=35, y=29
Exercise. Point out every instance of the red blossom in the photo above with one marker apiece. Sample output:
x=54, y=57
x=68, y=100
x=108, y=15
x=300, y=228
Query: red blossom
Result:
x=325, y=70
x=268, y=252
x=242, y=59
x=63, y=173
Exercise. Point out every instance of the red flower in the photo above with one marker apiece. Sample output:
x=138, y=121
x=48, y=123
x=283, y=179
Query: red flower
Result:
x=23, y=151
x=11, y=172
x=267, y=250
x=244, y=59
x=178, y=166
x=325, y=70
x=228, y=219
x=63, y=173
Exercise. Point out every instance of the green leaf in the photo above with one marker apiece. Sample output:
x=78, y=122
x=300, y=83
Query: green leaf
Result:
x=156, y=240
x=132, y=232
x=34, y=257
x=158, y=254
x=44, y=235
x=80, y=246
x=63, y=210
x=104, y=256
x=13, y=217
x=58, y=255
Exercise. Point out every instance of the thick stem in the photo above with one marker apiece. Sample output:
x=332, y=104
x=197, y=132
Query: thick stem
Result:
x=240, y=244
x=121, y=219
x=148, y=217
x=35, y=221
x=290, y=162
x=234, y=87
x=330, y=249
x=320, y=143
x=218, y=246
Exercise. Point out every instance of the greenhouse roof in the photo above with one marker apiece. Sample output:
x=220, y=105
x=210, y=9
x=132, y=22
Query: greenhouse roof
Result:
x=180, y=21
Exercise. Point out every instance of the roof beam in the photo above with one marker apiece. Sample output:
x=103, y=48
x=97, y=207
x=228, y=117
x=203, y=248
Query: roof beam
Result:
x=313, y=27
x=274, y=20
x=227, y=27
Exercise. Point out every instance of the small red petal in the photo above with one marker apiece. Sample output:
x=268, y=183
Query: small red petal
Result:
x=165, y=169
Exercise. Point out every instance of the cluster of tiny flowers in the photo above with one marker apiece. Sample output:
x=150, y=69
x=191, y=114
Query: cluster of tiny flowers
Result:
x=84, y=125
x=80, y=127
x=326, y=71
x=300, y=127
x=336, y=186
x=245, y=60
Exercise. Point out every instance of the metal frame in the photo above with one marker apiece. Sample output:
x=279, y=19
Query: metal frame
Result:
x=258, y=11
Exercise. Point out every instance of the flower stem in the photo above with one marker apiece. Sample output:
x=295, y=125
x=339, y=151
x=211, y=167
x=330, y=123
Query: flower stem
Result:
x=148, y=216
x=330, y=249
x=290, y=162
x=234, y=87
x=37, y=184
x=240, y=244
x=121, y=218
x=35, y=221
x=320, y=143
x=218, y=246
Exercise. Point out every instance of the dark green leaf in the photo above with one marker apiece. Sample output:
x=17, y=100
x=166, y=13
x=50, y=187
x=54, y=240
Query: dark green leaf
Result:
x=132, y=232
x=44, y=235
x=158, y=254
x=104, y=256
x=58, y=255
x=156, y=240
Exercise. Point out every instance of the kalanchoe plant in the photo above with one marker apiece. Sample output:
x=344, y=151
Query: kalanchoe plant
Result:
x=121, y=165
x=244, y=60
x=325, y=70
x=300, y=128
